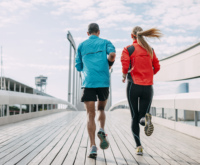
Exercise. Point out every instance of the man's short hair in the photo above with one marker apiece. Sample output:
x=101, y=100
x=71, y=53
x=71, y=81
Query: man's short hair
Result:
x=93, y=28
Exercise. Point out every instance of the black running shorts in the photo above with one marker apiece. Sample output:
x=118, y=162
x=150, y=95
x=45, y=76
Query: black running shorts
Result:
x=91, y=94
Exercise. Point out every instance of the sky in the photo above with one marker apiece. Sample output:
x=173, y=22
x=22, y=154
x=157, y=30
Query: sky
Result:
x=33, y=36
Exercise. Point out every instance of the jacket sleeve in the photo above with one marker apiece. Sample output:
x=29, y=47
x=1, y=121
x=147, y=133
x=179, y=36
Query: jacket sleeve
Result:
x=156, y=64
x=78, y=60
x=125, y=60
x=110, y=48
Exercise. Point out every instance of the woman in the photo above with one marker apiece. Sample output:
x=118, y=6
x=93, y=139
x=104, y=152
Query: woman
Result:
x=139, y=64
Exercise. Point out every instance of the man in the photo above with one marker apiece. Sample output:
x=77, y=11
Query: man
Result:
x=92, y=61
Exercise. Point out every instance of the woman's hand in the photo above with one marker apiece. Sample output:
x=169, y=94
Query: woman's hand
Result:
x=124, y=78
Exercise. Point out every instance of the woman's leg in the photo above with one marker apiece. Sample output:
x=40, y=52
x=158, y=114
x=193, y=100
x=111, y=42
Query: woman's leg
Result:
x=132, y=95
x=145, y=101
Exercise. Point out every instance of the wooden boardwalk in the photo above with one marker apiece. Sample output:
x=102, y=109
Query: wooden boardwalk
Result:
x=62, y=138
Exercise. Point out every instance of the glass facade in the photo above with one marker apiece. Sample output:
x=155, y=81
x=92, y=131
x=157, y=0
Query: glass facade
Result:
x=45, y=107
x=14, y=109
x=187, y=117
x=25, y=108
x=33, y=107
x=1, y=111
x=40, y=107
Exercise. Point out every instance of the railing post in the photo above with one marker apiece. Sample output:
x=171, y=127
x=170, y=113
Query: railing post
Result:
x=154, y=111
x=14, y=87
x=69, y=76
x=8, y=85
x=7, y=108
x=176, y=114
x=163, y=115
x=29, y=108
x=20, y=88
x=20, y=112
x=196, y=118
x=36, y=107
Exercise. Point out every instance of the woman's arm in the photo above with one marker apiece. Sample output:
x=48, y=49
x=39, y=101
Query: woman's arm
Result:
x=125, y=60
x=156, y=64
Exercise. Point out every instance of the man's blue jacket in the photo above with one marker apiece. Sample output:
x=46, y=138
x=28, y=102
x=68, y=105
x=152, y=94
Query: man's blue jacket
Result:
x=91, y=60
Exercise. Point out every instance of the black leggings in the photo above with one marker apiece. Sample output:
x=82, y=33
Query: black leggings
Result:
x=142, y=95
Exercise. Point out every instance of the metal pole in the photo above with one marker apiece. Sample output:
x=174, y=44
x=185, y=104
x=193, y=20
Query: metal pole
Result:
x=176, y=114
x=1, y=67
x=111, y=88
x=69, y=79
x=73, y=95
x=77, y=87
x=196, y=118
x=163, y=115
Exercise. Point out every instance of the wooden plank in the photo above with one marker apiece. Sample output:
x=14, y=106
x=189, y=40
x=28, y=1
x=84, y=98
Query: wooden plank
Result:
x=82, y=151
x=51, y=146
x=116, y=150
x=60, y=150
x=26, y=146
x=26, y=126
x=129, y=137
x=100, y=160
x=172, y=155
x=127, y=150
x=89, y=161
x=72, y=153
x=50, y=140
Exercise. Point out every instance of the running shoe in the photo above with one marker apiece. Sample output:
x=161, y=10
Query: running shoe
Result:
x=93, y=152
x=142, y=121
x=148, y=129
x=104, y=144
x=139, y=151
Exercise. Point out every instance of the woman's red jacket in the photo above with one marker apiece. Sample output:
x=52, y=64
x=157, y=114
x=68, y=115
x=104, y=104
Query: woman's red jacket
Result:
x=143, y=66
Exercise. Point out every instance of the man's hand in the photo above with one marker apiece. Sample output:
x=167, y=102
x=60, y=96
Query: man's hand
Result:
x=111, y=57
x=124, y=78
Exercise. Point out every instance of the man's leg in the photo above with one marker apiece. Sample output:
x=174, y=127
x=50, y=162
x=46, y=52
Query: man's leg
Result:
x=91, y=126
x=101, y=117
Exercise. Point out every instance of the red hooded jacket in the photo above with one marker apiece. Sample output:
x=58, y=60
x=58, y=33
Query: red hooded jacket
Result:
x=142, y=65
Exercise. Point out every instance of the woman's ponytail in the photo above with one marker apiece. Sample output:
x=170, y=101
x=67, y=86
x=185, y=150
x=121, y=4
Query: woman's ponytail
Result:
x=151, y=33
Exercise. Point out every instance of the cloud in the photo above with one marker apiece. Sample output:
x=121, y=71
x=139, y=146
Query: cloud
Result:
x=73, y=29
x=173, y=40
x=40, y=42
x=12, y=65
x=118, y=40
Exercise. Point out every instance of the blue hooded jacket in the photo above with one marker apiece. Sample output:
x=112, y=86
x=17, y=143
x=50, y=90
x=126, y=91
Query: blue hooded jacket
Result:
x=91, y=60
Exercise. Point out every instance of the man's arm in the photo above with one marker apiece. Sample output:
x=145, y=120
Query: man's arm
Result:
x=78, y=60
x=111, y=51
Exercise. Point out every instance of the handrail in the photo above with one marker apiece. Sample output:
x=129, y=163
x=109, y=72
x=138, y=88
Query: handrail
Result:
x=9, y=98
x=186, y=101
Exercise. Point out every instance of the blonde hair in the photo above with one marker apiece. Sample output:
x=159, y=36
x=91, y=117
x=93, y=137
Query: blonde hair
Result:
x=151, y=33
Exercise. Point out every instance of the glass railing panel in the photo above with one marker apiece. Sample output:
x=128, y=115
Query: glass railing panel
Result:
x=169, y=114
x=198, y=119
x=159, y=112
x=187, y=117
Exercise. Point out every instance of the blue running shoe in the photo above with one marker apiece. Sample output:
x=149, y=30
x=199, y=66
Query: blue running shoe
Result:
x=104, y=144
x=93, y=152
